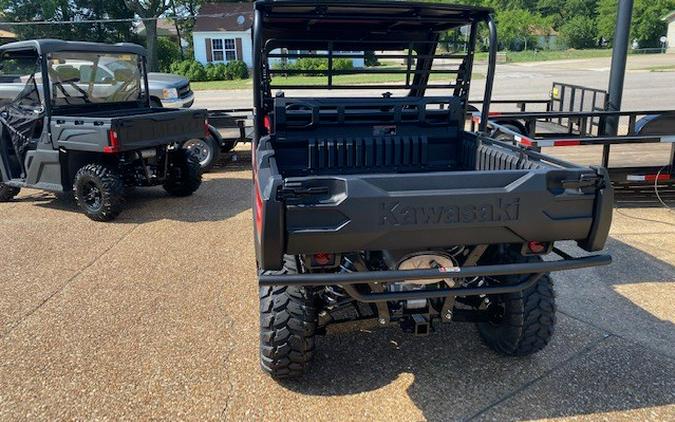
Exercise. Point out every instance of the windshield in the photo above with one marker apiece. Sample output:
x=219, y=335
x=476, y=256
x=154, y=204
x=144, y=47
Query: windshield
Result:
x=85, y=78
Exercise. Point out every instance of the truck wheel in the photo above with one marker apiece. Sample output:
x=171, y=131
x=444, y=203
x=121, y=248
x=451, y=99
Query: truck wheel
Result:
x=7, y=193
x=523, y=322
x=288, y=323
x=206, y=150
x=99, y=192
x=185, y=174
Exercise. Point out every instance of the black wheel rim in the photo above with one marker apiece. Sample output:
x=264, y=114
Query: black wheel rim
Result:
x=92, y=197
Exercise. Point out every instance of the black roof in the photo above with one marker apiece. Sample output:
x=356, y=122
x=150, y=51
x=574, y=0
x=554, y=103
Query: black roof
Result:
x=373, y=14
x=44, y=46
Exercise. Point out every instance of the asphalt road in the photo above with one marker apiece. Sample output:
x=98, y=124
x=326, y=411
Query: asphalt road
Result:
x=156, y=316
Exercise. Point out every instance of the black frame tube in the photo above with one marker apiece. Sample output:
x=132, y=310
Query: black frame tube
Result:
x=324, y=279
x=618, y=70
x=490, y=77
x=257, y=74
x=441, y=293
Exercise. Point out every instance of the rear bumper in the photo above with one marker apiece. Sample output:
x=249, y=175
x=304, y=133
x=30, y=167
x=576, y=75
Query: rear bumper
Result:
x=347, y=280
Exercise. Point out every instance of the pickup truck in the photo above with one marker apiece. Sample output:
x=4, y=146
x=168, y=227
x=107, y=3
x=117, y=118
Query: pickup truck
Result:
x=384, y=207
x=95, y=135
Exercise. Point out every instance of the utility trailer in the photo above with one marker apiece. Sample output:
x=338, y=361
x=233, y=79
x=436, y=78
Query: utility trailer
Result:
x=383, y=206
x=577, y=116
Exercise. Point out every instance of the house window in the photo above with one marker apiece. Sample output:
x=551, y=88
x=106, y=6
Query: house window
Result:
x=223, y=50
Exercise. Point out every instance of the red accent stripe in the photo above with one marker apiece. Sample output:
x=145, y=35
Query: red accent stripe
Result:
x=566, y=142
x=653, y=177
x=526, y=141
x=258, y=211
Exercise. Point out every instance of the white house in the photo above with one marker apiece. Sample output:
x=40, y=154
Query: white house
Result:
x=670, y=20
x=222, y=32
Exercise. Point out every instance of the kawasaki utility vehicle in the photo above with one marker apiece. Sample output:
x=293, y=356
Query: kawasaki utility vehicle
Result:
x=370, y=198
x=76, y=116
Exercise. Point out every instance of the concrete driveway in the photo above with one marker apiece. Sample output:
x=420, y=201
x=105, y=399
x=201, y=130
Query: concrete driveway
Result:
x=156, y=316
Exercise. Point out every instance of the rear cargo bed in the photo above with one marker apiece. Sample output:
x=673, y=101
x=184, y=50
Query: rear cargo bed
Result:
x=135, y=130
x=488, y=193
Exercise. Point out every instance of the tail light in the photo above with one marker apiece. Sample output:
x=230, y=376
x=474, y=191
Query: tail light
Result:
x=258, y=210
x=536, y=247
x=113, y=143
x=323, y=259
x=267, y=122
x=207, y=133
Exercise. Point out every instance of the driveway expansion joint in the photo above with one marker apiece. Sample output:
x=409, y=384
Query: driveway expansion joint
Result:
x=586, y=350
x=66, y=283
x=613, y=334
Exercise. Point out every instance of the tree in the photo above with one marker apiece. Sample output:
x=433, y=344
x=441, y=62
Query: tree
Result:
x=73, y=10
x=514, y=27
x=149, y=11
x=646, y=27
x=579, y=32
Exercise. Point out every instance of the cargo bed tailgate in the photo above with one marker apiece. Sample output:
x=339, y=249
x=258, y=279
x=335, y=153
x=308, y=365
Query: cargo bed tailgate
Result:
x=422, y=210
x=158, y=128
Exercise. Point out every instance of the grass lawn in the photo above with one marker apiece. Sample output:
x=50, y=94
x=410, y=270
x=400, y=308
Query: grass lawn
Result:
x=542, y=56
x=320, y=80
x=664, y=68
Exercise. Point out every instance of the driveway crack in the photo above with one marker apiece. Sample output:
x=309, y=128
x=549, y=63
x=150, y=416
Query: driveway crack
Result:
x=65, y=284
x=525, y=386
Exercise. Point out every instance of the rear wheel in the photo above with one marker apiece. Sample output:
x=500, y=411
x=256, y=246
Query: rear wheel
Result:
x=99, y=192
x=184, y=174
x=7, y=193
x=288, y=324
x=206, y=151
x=522, y=322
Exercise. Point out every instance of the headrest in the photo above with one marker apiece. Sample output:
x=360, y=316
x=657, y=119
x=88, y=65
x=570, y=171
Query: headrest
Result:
x=124, y=75
x=67, y=73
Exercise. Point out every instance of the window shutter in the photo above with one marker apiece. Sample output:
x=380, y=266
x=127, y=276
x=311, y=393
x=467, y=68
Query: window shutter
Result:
x=209, y=51
x=240, y=54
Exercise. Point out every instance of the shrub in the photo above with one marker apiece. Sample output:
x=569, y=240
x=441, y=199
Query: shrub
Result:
x=312, y=63
x=236, y=69
x=217, y=72
x=168, y=53
x=370, y=59
x=191, y=69
x=342, y=64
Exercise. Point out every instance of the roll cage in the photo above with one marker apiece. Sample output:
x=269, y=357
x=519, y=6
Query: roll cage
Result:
x=296, y=29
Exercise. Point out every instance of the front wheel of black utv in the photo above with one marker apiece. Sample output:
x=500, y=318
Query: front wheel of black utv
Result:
x=7, y=193
x=522, y=322
x=288, y=324
x=184, y=173
x=99, y=192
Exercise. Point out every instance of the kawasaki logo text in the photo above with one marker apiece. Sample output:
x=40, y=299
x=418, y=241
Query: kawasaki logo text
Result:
x=396, y=214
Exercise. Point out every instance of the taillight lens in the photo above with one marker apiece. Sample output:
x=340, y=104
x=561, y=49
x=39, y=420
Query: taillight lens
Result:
x=113, y=143
x=536, y=247
x=258, y=210
x=267, y=122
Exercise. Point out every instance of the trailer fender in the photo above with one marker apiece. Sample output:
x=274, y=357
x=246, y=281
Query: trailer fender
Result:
x=656, y=124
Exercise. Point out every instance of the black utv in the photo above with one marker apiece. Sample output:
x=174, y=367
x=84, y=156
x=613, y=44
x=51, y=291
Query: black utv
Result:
x=67, y=125
x=383, y=206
